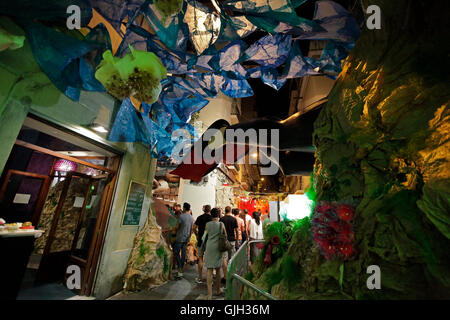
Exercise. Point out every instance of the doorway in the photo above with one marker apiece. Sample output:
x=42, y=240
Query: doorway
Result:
x=65, y=188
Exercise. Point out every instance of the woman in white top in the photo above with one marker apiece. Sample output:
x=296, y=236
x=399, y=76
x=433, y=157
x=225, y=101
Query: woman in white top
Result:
x=256, y=233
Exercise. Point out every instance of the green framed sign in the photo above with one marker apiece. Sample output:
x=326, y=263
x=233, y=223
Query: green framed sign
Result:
x=135, y=201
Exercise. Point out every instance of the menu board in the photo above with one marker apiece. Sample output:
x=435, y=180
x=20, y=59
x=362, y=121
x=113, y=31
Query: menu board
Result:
x=135, y=200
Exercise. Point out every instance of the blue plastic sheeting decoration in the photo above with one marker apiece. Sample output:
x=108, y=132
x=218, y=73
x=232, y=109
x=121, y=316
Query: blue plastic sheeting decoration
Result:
x=191, y=86
x=297, y=65
x=146, y=108
x=338, y=23
x=135, y=40
x=259, y=6
x=173, y=63
x=209, y=82
x=297, y=3
x=225, y=62
x=115, y=11
x=173, y=92
x=332, y=55
x=170, y=30
x=271, y=78
x=141, y=39
x=234, y=28
x=185, y=108
x=128, y=126
x=153, y=130
x=273, y=16
x=160, y=139
x=164, y=117
x=204, y=25
x=254, y=72
x=90, y=83
x=100, y=36
x=269, y=51
x=170, y=120
x=203, y=62
x=60, y=57
x=236, y=88
x=54, y=11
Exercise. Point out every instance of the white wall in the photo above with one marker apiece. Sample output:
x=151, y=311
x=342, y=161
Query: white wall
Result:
x=198, y=196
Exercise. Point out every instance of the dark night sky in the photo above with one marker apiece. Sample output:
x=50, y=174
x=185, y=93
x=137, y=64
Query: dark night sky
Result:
x=268, y=101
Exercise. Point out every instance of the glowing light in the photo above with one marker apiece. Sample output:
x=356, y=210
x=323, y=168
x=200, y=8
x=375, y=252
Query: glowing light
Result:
x=65, y=165
x=91, y=172
x=296, y=206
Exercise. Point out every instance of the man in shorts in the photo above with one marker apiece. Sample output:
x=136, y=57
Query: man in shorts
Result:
x=199, y=230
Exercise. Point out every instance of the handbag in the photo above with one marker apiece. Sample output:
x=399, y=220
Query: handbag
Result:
x=224, y=244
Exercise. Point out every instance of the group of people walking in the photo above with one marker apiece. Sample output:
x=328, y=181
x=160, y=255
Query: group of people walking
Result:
x=210, y=228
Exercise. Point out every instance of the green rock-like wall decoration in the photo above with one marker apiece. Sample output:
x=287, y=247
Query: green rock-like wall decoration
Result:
x=383, y=141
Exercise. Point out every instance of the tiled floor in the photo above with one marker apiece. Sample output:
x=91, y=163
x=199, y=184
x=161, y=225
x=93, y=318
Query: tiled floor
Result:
x=183, y=289
x=52, y=291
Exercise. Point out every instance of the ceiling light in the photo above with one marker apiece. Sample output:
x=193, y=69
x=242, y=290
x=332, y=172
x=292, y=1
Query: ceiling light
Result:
x=254, y=155
x=65, y=165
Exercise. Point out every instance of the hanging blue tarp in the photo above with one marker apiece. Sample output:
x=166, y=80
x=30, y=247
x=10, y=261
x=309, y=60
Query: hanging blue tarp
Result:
x=272, y=16
x=61, y=59
x=115, y=11
x=128, y=126
x=172, y=32
x=269, y=51
x=225, y=62
x=204, y=25
x=54, y=11
x=186, y=107
x=338, y=24
x=202, y=47
x=296, y=65
x=271, y=78
x=332, y=55
x=236, y=88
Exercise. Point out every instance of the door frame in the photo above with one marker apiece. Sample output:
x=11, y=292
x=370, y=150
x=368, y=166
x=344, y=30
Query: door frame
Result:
x=96, y=245
x=99, y=237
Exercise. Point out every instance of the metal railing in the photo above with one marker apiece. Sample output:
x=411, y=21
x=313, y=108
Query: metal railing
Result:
x=238, y=266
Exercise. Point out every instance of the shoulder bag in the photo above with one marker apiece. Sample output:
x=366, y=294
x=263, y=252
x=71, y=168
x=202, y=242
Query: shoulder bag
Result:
x=224, y=244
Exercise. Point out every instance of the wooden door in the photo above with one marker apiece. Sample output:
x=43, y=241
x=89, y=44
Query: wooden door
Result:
x=19, y=211
x=71, y=206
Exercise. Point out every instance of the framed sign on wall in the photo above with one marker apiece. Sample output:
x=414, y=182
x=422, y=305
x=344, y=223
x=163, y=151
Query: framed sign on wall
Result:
x=135, y=201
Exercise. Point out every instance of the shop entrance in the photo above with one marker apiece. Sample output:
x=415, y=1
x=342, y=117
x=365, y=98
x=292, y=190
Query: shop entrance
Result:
x=65, y=188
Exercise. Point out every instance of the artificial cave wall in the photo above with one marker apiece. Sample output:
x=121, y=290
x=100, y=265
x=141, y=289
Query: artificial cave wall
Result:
x=150, y=261
x=383, y=145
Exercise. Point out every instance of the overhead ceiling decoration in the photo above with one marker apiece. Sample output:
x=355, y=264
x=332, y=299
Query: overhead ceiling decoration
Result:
x=219, y=62
x=204, y=26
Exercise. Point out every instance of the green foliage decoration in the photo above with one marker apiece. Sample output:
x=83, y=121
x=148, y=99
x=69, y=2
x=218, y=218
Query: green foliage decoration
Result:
x=137, y=74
